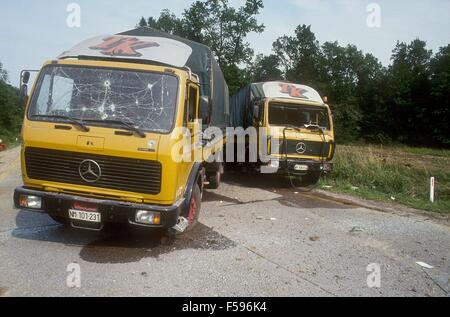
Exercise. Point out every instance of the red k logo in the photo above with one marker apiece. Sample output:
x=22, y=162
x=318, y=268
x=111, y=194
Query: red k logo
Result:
x=293, y=91
x=123, y=46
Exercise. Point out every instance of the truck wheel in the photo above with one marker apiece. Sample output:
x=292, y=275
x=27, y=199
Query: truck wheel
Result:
x=214, y=180
x=310, y=179
x=61, y=220
x=193, y=212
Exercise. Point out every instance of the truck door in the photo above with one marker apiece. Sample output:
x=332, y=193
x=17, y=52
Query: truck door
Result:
x=191, y=120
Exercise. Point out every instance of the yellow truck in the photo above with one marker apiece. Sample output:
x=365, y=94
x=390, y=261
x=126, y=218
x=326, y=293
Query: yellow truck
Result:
x=100, y=126
x=296, y=135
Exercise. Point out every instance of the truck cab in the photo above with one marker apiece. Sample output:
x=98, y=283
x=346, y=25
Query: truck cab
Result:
x=98, y=135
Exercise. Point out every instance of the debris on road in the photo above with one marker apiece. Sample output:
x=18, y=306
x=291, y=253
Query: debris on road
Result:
x=262, y=218
x=425, y=265
x=314, y=238
x=356, y=229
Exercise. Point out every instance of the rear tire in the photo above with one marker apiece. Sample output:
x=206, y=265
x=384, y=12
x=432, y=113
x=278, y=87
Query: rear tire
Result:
x=214, y=180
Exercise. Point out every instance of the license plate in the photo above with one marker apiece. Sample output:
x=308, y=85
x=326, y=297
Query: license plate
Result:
x=300, y=167
x=87, y=216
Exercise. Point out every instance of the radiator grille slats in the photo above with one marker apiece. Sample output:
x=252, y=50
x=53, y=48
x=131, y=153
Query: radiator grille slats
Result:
x=310, y=148
x=132, y=175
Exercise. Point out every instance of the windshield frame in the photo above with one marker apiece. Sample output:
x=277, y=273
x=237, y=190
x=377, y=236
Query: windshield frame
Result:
x=107, y=125
x=299, y=106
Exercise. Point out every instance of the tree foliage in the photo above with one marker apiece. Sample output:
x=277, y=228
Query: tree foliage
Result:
x=220, y=26
x=10, y=113
x=3, y=73
x=265, y=68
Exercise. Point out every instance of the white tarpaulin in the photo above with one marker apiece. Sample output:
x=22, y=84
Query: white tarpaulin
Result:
x=157, y=49
x=288, y=90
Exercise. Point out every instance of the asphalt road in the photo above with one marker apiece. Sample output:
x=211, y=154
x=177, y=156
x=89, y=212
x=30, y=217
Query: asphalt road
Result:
x=257, y=237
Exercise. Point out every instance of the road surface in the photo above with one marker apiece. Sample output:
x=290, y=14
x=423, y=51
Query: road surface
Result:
x=257, y=237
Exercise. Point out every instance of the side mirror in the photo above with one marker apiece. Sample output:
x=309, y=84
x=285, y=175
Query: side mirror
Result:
x=25, y=77
x=23, y=96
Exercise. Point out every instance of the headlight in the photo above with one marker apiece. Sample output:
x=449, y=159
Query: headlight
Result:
x=31, y=202
x=148, y=217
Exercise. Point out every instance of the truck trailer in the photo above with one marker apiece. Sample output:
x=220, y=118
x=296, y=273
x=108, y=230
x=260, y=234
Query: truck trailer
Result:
x=100, y=126
x=297, y=126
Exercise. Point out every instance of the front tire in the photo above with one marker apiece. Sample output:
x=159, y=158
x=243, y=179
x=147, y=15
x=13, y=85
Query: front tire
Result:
x=193, y=212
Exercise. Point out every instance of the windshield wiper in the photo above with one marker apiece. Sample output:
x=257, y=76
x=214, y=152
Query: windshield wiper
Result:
x=313, y=127
x=128, y=125
x=73, y=121
x=293, y=127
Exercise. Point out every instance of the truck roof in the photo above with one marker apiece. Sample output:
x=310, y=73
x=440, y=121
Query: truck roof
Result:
x=136, y=48
x=287, y=90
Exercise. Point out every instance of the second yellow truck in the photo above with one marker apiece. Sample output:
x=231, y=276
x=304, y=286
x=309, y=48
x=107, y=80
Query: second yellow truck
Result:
x=296, y=124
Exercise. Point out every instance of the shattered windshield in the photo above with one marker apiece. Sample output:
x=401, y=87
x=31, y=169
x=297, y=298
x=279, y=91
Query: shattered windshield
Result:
x=143, y=99
x=298, y=115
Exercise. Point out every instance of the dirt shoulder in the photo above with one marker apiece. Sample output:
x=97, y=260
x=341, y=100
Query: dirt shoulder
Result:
x=394, y=208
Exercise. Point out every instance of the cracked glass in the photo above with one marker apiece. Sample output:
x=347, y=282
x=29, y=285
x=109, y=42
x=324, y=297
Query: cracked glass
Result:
x=144, y=99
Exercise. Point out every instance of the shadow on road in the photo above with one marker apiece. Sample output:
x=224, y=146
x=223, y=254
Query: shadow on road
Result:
x=296, y=197
x=117, y=243
x=235, y=176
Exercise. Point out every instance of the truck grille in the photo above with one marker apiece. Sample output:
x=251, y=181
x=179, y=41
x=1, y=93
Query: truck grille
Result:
x=311, y=148
x=132, y=175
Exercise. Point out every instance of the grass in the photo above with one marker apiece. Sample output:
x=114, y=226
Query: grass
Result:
x=392, y=173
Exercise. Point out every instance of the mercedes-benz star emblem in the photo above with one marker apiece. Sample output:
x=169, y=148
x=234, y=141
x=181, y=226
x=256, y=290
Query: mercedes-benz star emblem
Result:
x=90, y=171
x=300, y=148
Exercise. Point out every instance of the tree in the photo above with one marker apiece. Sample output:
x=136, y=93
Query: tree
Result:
x=440, y=96
x=142, y=22
x=299, y=55
x=3, y=73
x=167, y=22
x=265, y=68
x=409, y=91
x=10, y=113
x=221, y=27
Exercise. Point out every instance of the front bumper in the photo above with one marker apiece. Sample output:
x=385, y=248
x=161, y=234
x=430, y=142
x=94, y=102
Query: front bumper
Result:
x=56, y=204
x=289, y=167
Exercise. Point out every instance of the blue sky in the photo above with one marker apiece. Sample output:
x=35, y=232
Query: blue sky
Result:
x=35, y=31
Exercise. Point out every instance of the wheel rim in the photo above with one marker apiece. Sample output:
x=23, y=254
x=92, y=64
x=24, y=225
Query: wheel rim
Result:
x=192, y=210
